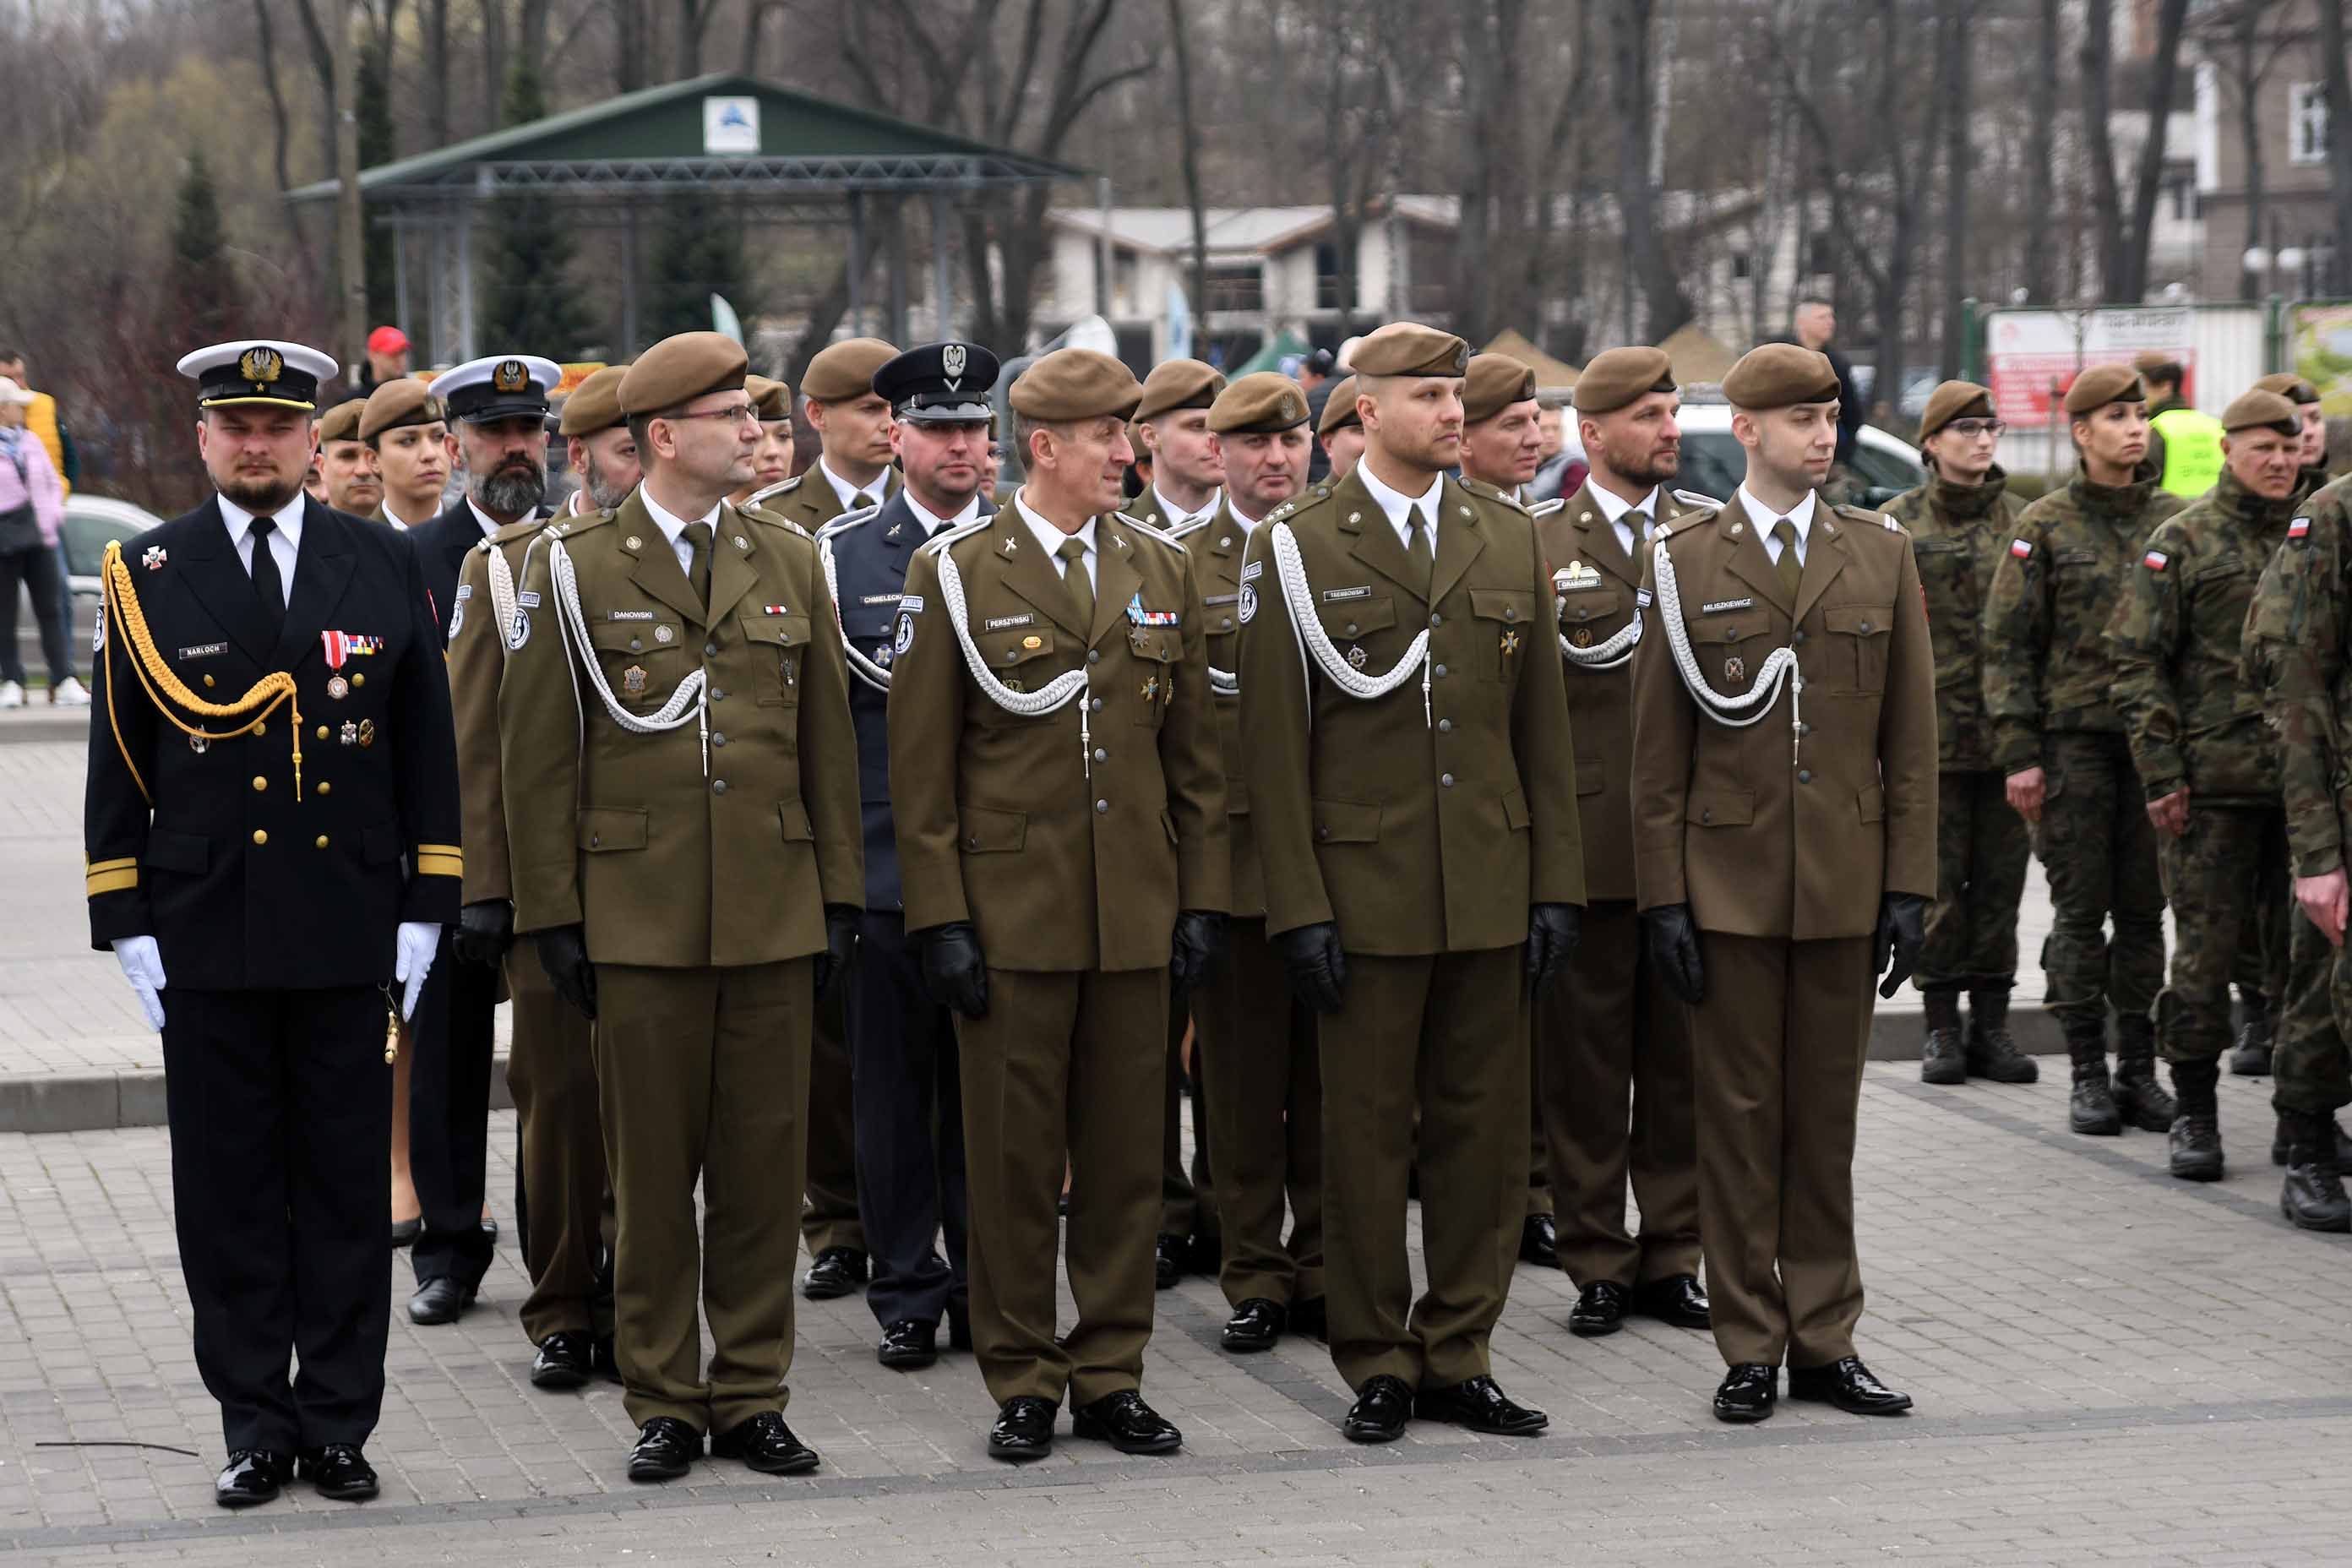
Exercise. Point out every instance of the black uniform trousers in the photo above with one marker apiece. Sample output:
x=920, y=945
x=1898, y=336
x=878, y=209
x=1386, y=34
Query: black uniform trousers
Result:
x=907, y=1091
x=453, y=1036
x=280, y=1112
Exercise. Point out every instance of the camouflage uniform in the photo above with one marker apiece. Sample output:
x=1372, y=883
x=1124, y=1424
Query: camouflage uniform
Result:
x=2046, y=691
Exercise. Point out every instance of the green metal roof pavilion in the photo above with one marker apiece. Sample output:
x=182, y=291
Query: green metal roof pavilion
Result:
x=802, y=158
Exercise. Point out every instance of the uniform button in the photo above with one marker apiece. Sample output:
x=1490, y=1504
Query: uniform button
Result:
x=322, y=731
x=1510, y=612
x=710, y=650
x=1706, y=816
x=1803, y=727
x=1445, y=726
x=321, y=841
x=1321, y=832
x=259, y=782
x=718, y=786
x=1093, y=656
x=259, y=729
x=1445, y=779
x=595, y=841
x=1798, y=640
x=636, y=644
x=1102, y=807
x=1096, y=704
x=1436, y=620
x=1226, y=625
x=717, y=695
x=1101, y=755
x=1440, y=672
x=1352, y=628
x=1804, y=775
x=359, y=680
x=208, y=680
x=326, y=788
x=717, y=739
x=260, y=836
x=1865, y=626
x=973, y=842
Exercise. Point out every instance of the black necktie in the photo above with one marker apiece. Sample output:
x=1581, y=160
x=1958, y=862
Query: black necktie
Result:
x=267, y=585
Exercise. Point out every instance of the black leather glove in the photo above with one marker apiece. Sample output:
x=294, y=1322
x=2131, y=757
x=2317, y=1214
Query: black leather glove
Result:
x=1318, y=974
x=1200, y=938
x=840, y=937
x=954, y=972
x=1673, y=947
x=1552, y=931
x=485, y=931
x=1902, y=931
x=564, y=951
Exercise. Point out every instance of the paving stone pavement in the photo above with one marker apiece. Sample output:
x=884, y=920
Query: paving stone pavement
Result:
x=2111, y=1366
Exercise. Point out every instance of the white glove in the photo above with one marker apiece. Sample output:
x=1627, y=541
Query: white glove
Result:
x=143, y=965
x=412, y=958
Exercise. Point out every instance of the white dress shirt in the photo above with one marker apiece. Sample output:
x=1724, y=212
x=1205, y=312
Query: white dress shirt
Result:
x=1764, y=516
x=879, y=489
x=673, y=529
x=285, y=544
x=1617, y=509
x=1395, y=504
x=1049, y=540
x=395, y=519
x=932, y=522
x=482, y=520
x=1173, y=517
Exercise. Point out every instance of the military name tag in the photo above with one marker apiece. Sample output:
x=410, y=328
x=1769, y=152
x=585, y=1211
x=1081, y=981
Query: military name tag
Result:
x=1720, y=605
x=628, y=615
x=999, y=623
x=1334, y=596
x=204, y=650
x=878, y=598
x=2078, y=558
x=910, y=604
x=1253, y=570
x=1217, y=599
x=465, y=591
x=528, y=601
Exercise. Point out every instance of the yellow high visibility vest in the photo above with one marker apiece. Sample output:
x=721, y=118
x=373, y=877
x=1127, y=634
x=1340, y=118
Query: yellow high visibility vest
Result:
x=2192, y=451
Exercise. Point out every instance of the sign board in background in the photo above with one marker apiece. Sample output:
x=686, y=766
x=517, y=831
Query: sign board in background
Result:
x=731, y=125
x=2319, y=347
x=2028, y=353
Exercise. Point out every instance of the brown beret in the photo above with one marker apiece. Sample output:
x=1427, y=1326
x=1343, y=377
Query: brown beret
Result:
x=341, y=423
x=1408, y=348
x=845, y=370
x=1955, y=400
x=403, y=400
x=1775, y=375
x=2258, y=408
x=771, y=398
x=1492, y=383
x=2156, y=362
x=1616, y=377
x=1176, y=384
x=1259, y=404
x=1075, y=384
x=595, y=403
x=1339, y=408
x=2289, y=385
x=677, y=370
x=2102, y=385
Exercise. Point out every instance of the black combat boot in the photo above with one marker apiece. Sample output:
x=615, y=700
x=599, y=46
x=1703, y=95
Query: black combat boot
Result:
x=2335, y=1149
x=1942, y=1060
x=2140, y=1100
x=1992, y=1052
x=2092, y=1107
x=2251, y=1058
x=2312, y=1197
x=2197, y=1129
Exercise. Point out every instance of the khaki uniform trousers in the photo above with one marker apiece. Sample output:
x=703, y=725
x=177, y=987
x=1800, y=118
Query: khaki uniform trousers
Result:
x=830, y=1217
x=551, y=1075
x=1265, y=1087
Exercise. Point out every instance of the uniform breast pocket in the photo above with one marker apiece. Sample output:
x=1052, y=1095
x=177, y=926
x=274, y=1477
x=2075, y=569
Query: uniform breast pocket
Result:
x=643, y=660
x=1022, y=658
x=1505, y=619
x=1858, y=640
x=1158, y=650
x=1590, y=614
x=1730, y=649
x=778, y=645
x=1349, y=622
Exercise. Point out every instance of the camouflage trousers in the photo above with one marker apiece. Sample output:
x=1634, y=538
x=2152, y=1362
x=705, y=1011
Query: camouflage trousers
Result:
x=1982, y=845
x=2098, y=850
x=2310, y=1068
x=2228, y=866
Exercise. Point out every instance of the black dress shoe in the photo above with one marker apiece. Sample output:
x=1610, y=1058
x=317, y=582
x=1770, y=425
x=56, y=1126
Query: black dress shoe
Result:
x=1311, y=1318
x=908, y=1342
x=1748, y=1392
x=490, y=1230
x=340, y=1471
x=1382, y=1406
x=765, y=1443
x=1847, y=1383
x=566, y=1359
x=252, y=1475
x=1480, y=1405
x=1601, y=1309
x=439, y=1300
x=1170, y=1255
x=667, y=1448
x=836, y=1271
x=1205, y=1254
x=1255, y=1325
x=959, y=1326
x=1126, y=1424
x=607, y=1360
x=1539, y=1241
x=1676, y=1299
x=1024, y=1430
x=404, y=1232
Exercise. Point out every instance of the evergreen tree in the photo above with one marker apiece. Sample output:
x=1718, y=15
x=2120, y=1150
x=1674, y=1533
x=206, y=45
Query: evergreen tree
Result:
x=204, y=300
x=700, y=254
x=531, y=305
x=376, y=146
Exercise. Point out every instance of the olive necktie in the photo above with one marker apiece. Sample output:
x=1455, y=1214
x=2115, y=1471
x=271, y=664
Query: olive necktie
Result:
x=1072, y=552
x=1792, y=570
x=697, y=534
x=1416, y=549
x=269, y=586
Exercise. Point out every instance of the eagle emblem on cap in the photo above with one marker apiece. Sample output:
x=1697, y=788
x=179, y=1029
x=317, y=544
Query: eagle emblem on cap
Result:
x=260, y=366
x=509, y=376
x=951, y=363
x=1289, y=407
x=1461, y=357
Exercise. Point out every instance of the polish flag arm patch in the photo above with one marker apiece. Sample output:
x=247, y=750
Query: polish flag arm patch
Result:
x=2021, y=548
x=2298, y=528
x=2155, y=559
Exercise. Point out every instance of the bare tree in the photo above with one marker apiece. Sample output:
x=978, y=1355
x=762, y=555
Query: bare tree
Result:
x=1190, y=151
x=2244, y=47
x=2332, y=45
x=2040, y=159
x=1954, y=88
x=1666, y=306
x=2123, y=238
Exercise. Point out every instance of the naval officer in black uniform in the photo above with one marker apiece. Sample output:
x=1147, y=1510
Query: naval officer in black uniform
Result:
x=905, y=1088
x=271, y=829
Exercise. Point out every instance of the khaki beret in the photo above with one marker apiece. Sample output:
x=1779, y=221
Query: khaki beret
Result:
x=771, y=398
x=404, y=400
x=1339, y=408
x=1259, y=404
x=1954, y=400
x=845, y=370
x=1775, y=375
x=2158, y=363
x=341, y=423
x=2289, y=385
x=1616, y=377
x=1176, y=384
x=595, y=403
x=1408, y=348
x=1492, y=383
x=2256, y=409
x=1075, y=384
x=677, y=370
x=2102, y=385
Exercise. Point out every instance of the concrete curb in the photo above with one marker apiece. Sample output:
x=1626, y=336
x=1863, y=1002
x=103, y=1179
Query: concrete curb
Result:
x=44, y=723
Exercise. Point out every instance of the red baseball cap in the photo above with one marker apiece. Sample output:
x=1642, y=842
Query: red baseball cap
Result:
x=387, y=341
